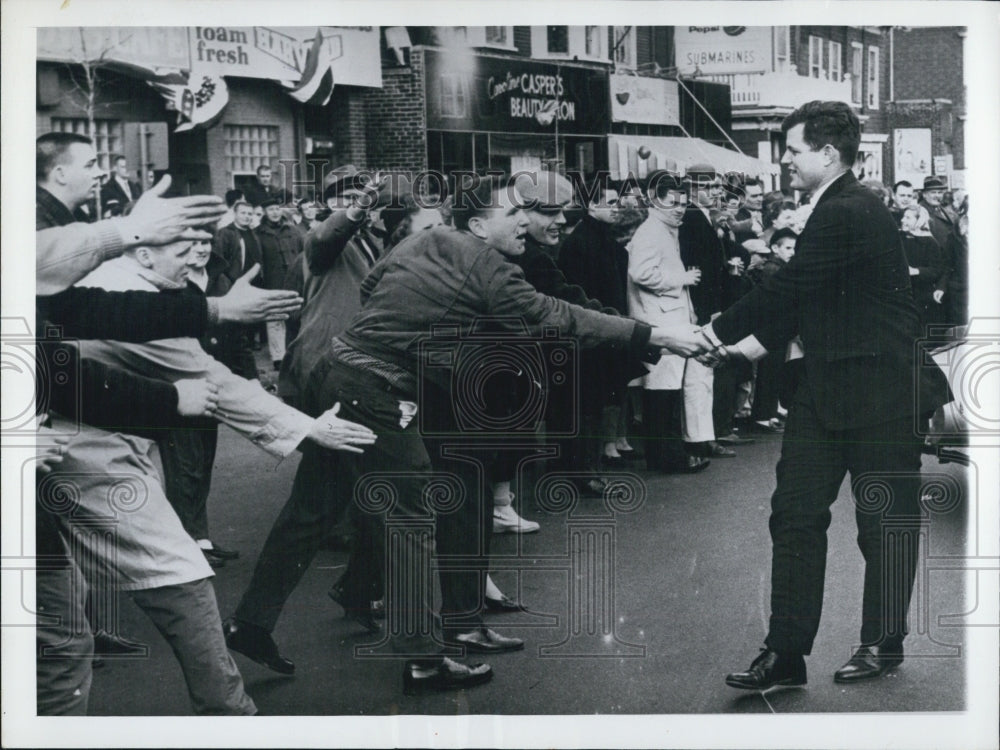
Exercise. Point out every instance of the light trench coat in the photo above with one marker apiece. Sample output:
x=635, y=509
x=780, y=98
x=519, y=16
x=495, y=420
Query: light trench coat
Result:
x=657, y=295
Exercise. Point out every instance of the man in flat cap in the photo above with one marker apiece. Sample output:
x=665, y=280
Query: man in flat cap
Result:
x=942, y=225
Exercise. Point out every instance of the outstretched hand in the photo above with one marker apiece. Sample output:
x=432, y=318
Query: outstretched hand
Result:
x=687, y=341
x=334, y=433
x=156, y=220
x=248, y=304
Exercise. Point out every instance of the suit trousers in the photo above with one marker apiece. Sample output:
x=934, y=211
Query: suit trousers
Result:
x=883, y=461
x=188, y=455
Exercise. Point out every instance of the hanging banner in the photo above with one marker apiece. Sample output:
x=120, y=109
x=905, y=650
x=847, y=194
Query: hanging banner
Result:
x=198, y=98
x=316, y=84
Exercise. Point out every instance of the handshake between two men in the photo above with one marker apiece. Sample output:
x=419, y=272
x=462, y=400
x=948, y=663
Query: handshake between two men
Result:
x=694, y=341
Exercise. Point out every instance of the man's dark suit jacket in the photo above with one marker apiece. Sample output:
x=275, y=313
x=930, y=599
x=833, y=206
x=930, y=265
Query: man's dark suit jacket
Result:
x=701, y=247
x=847, y=293
x=112, y=191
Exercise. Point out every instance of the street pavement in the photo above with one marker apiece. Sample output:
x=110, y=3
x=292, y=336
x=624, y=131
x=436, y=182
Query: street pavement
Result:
x=683, y=601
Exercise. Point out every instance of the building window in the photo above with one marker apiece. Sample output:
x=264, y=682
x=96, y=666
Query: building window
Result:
x=107, y=135
x=452, y=95
x=816, y=57
x=624, y=46
x=857, y=71
x=781, y=47
x=584, y=42
x=499, y=35
x=558, y=39
x=592, y=40
x=836, y=65
x=873, y=78
x=249, y=146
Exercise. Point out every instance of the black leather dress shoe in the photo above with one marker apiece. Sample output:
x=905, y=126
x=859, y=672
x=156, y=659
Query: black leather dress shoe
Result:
x=485, y=641
x=870, y=661
x=362, y=613
x=257, y=644
x=221, y=552
x=445, y=675
x=503, y=604
x=110, y=644
x=770, y=669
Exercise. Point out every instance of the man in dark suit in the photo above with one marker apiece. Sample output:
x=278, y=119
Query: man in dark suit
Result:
x=119, y=191
x=702, y=248
x=847, y=294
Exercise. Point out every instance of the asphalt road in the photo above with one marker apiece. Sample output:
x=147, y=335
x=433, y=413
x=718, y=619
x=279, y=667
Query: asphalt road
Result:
x=687, y=592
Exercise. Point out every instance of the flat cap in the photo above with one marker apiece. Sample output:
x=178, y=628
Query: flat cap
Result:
x=544, y=190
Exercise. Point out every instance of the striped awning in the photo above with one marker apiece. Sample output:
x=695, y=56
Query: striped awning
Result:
x=678, y=154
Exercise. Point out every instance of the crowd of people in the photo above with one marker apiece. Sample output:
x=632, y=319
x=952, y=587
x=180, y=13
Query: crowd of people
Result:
x=638, y=286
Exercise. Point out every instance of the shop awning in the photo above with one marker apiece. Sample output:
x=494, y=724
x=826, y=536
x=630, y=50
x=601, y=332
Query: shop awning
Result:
x=680, y=153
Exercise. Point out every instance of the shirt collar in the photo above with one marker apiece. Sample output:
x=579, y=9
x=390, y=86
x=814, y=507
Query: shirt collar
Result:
x=814, y=198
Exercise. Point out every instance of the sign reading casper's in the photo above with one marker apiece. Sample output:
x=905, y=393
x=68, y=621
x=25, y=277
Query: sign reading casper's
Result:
x=473, y=92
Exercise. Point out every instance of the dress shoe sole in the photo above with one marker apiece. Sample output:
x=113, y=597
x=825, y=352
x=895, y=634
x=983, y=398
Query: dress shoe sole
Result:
x=787, y=682
x=481, y=648
x=867, y=674
x=437, y=684
x=513, y=530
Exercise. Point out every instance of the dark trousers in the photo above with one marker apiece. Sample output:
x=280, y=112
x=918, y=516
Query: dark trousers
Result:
x=766, y=387
x=725, y=386
x=387, y=484
x=884, y=464
x=662, y=420
x=188, y=456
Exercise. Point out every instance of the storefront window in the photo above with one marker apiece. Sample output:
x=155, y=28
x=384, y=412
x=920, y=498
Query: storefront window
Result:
x=249, y=146
x=107, y=135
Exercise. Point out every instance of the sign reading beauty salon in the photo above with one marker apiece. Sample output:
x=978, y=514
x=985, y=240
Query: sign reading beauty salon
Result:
x=510, y=94
x=723, y=49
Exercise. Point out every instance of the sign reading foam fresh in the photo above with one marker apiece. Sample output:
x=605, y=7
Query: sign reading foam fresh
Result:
x=275, y=53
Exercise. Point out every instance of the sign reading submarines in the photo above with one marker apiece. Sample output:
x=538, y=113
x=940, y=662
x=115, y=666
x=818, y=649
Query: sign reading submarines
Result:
x=723, y=49
x=514, y=95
